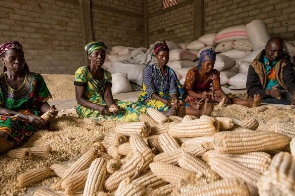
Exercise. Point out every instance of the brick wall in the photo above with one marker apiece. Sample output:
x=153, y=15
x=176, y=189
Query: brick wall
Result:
x=174, y=23
x=278, y=15
x=118, y=22
x=50, y=32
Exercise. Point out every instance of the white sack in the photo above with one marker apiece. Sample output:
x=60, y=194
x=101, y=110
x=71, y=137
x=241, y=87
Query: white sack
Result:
x=208, y=39
x=235, y=54
x=181, y=54
x=134, y=71
x=120, y=83
x=257, y=33
x=117, y=49
x=195, y=45
x=115, y=57
x=181, y=73
x=224, y=46
x=251, y=56
x=126, y=51
x=244, y=66
x=175, y=65
x=290, y=49
x=231, y=33
x=225, y=75
x=172, y=45
x=223, y=62
x=244, y=45
x=238, y=81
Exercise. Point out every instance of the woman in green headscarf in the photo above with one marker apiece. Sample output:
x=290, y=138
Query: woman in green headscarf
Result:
x=93, y=87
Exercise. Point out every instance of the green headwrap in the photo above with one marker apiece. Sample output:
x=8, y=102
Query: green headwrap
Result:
x=92, y=46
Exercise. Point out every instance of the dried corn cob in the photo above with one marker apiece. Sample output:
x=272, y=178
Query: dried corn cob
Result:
x=114, y=152
x=150, y=180
x=123, y=184
x=157, y=116
x=141, y=128
x=284, y=128
x=167, y=142
x=258, y=161
x=101, y=193
x=96, y=177
x=114, y=139
x=33, y=176
x=188, y=118
x=40, y=150
x=50, y=114
x=137, y=143
x=20, y=153
x=194, y=128
x=175, y=119
x=227, y=168
x=170, y=157
x=224, y=187
x=162, y=128
x=82, y=163
x=146, y=118
x=165, y=190
x=113, y=165
x=153, y=142
x=195, y=141
x=44, y=192
x=225, y=123
x=59, y=169
x=104, y=155
x=131, y=190
x=249, y=123
x=198, y=150
x=125, y=148
x=164, y=171
x=235, y=142
x=127, y=157
x=279, y=179
x=75, y=182
x=198, y=166
x=129, y=169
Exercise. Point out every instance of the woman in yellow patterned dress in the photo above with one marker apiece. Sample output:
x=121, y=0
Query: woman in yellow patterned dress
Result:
x=93, y=87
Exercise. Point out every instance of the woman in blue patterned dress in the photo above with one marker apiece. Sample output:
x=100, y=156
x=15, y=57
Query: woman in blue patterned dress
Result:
x=163, y=91
x=93, y=87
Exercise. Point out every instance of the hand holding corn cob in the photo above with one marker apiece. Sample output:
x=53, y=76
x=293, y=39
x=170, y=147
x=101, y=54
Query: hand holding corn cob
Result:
x=114, y=108
x=50, y=114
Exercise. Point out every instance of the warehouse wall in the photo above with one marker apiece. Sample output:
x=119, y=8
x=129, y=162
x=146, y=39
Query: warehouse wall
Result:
x=279, y=15
x=51, y=32
x=48, y=32
x=118, y=22
x=175, y=23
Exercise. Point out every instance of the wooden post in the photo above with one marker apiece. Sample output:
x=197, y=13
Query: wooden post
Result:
x=198, y=18
x=86, y=22
x=146, y=24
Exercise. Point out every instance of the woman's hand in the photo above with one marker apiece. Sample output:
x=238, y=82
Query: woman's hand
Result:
x=203, y=95
x=105, y=111
x=167, y=102
x=36, y=121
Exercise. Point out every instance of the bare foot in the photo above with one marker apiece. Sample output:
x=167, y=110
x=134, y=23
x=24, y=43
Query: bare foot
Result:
x=171, y=112
x=208, y=107
x=256, y=100
x=181, y=111
x=5, y=145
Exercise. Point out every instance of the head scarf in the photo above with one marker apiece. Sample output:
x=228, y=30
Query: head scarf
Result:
x=10, y=45
x=92, y=46
x=206, y=55
x=161, y=47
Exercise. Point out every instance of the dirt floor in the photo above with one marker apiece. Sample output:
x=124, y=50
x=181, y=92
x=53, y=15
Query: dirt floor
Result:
x=72, y=133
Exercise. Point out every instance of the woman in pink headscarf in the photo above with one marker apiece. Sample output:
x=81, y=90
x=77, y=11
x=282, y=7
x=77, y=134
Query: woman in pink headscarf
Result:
x=23, y=98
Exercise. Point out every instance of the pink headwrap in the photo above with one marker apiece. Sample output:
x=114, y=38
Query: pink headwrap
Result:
x=10, y=45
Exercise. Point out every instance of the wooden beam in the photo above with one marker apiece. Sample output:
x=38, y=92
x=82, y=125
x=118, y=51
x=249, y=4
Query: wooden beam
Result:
x=198, y=18
x=146, y=24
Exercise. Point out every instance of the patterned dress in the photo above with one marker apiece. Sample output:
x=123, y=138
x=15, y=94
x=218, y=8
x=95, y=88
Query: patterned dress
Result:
x=94, y=94
x=192, y=82
x=164, y=85
x=24, y=100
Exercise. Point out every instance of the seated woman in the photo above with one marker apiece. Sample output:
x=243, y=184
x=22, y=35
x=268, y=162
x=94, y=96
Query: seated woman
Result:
x=204, y=82
x=93, y=88
x=162, y=90
x=23, y=98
